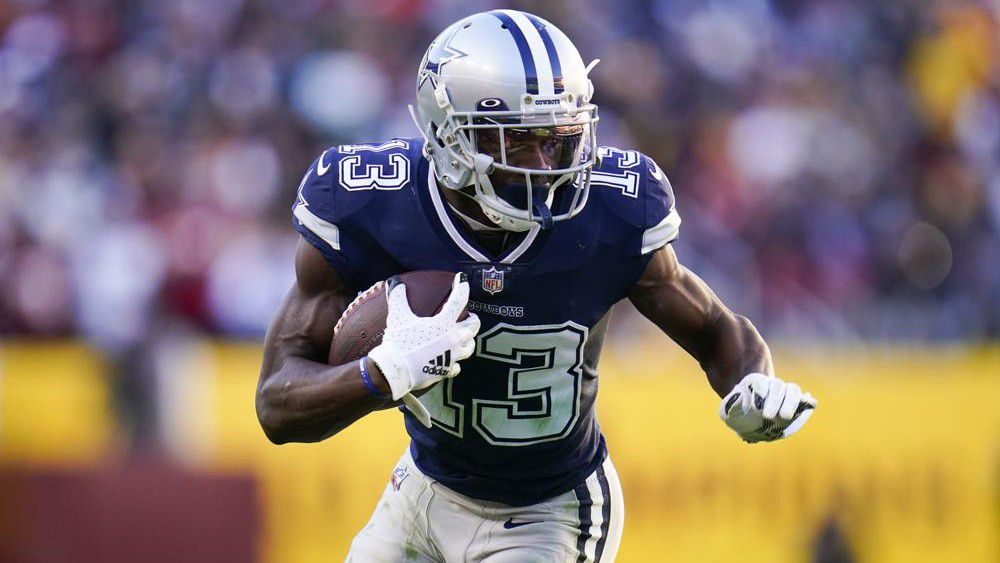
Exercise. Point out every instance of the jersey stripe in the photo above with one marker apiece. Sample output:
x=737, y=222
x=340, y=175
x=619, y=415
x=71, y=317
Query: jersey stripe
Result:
x=550, y=49
x=661, y=233
x=323, y=229
x=527, y=60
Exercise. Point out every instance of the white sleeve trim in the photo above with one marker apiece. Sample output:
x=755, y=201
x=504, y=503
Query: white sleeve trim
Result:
x=664, y=232
x=323, y=229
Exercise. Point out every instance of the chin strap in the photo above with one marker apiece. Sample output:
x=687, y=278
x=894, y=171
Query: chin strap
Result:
x=544, y=213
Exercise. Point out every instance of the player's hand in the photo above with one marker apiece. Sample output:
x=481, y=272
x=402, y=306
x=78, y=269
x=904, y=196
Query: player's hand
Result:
x=417, y=352
x=764, y=408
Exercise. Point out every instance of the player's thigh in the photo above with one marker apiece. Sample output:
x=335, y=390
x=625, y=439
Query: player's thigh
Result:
x=372, y=546
x=396, y=530
x=539, y=542
x=531, y=554
x=584, y=524
x=601, y=515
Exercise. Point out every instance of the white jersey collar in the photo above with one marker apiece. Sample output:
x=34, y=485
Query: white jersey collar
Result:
x=454, y=232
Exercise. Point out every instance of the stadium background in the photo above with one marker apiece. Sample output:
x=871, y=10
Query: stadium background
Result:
x=836, y=163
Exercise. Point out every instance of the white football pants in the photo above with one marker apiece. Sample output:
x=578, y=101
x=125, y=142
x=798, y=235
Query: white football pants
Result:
x=421, y=520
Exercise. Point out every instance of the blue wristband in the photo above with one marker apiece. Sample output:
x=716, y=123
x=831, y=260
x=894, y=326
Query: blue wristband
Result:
x=369, y=385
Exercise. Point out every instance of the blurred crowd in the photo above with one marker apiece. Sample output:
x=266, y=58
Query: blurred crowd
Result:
x=836, y=162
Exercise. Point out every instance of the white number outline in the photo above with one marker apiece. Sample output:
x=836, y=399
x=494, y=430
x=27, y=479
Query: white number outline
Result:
x=352, y=179
x=518, y=389
x=438, y=399
x=627, y=181
x=440, y=403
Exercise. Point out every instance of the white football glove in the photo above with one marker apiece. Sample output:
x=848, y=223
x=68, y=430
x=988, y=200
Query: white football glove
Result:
x=764, y=408
x=417, y=352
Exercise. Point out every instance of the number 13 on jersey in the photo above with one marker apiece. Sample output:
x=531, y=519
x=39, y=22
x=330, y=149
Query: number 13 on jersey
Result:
x=544, y=380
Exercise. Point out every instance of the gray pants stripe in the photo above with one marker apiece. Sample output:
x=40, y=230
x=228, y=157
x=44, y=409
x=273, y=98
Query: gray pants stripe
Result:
x=583, y=495
x=589, y=519
x=605, y=511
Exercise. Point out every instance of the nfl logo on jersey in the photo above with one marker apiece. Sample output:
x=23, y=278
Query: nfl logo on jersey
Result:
x=493, y=280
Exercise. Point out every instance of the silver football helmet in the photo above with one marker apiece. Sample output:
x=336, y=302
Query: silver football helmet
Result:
x=493, y=87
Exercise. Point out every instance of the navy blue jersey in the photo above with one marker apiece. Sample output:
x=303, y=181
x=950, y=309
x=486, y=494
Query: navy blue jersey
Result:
x=517, y=425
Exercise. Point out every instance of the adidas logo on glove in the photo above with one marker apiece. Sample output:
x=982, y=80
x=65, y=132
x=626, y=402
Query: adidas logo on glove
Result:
x=440, y=364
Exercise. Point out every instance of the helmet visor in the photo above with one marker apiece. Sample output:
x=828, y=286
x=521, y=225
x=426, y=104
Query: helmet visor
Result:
x=520, y=159
x=539, y=149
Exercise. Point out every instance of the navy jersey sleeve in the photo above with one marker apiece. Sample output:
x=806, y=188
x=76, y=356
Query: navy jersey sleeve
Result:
x=344, y=202
x=635, y=189
x=662, y=222
x=319, y=216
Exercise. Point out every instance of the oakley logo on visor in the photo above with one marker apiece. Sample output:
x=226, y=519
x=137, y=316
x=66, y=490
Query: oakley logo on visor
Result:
x=491, y=104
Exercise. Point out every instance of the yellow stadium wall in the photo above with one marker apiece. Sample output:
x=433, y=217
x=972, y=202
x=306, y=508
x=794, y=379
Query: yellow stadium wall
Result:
x=904, y=451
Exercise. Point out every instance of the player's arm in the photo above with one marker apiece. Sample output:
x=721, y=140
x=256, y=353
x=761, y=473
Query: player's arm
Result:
x=302, y=399
x=732, y=353
x=299, y=397
x=726, y=345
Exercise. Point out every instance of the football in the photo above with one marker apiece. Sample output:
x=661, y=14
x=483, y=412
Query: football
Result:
x=361, y=326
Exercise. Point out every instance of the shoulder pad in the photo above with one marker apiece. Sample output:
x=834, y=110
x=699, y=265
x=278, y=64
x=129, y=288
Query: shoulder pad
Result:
x=344, y=178
x=662, y=222
x=341, y=182
x=644, y=198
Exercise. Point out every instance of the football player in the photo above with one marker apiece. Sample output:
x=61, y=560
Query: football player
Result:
x=546, y=231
